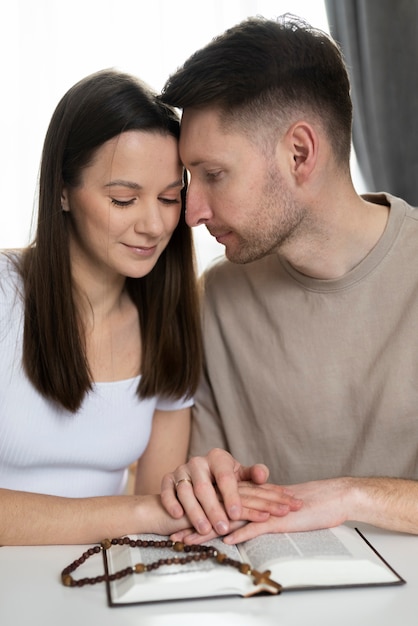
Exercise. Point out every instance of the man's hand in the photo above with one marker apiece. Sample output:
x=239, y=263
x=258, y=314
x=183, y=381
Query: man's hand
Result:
x=390, y=503
x=325, y=505
x=206, y=490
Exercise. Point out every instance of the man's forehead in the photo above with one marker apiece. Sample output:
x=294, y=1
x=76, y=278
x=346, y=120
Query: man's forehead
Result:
x=201, y=120
x=200, y=136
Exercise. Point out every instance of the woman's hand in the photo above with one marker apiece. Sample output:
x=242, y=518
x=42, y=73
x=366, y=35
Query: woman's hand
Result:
x=214, y=490
x=261, y=505
x=198, y=487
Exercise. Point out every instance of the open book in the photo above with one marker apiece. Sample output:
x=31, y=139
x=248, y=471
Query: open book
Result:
x=339, y=557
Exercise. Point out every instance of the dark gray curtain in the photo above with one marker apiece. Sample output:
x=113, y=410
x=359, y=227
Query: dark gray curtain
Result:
x=379, y=39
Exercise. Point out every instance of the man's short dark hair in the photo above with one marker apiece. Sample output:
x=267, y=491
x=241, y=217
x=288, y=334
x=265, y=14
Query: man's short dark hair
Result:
x=262, y=68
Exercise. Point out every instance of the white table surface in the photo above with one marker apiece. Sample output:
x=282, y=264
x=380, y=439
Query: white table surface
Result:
x=31, y=593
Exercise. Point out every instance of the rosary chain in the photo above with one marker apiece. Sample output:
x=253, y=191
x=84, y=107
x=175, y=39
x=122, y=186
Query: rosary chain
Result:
x=193, y=553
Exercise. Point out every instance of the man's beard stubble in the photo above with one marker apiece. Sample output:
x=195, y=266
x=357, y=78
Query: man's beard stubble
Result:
x=278, y=221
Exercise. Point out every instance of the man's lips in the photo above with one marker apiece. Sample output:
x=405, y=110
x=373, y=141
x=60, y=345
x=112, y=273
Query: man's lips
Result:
x=221, y=237
x=219, y=234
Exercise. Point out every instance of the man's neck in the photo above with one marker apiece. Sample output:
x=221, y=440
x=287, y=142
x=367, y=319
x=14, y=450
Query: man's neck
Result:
x=338, y=241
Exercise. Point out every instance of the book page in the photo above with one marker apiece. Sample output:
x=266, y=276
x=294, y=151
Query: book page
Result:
x=150, y=555
x=267, y=548
x=194, y=579
x=329, y=557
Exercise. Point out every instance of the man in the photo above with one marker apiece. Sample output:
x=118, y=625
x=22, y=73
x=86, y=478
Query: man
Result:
x=311, y=323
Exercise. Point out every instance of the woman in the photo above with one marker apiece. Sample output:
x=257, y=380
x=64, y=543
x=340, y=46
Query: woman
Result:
x=99, y=331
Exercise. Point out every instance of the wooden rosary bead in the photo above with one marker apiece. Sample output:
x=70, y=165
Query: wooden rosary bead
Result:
x=139, y=568
x=220, y=557
x=244, y=568
x=67, y=580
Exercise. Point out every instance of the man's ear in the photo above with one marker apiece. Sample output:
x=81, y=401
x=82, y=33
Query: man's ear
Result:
x=302, y=144
x=65, y=205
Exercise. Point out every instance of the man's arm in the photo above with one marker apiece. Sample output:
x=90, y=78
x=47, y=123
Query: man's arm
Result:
x=390, y=503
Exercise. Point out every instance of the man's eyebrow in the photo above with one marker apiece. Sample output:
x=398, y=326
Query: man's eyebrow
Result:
x=208, y=162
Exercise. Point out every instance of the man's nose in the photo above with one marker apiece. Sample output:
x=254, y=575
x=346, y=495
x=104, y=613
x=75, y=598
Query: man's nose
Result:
x=198, y=209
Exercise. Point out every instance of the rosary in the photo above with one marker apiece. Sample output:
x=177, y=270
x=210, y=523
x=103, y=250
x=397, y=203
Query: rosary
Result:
x=193, y=553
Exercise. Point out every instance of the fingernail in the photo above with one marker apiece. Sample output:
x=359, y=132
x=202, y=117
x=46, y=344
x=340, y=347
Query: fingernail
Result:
x=221, y=528
x=234, y=511
x=177, y=511
x=228, y=540
x=203, y=527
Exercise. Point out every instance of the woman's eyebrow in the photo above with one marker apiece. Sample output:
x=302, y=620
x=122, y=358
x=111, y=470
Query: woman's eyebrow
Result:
x=131, y=185
x=123, y=183
x=177, y=183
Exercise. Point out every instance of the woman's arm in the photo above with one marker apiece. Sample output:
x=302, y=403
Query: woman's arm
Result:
x=36, y=519
x=167, y=449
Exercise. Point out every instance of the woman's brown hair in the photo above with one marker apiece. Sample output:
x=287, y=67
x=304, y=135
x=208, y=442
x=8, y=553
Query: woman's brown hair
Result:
x=93, y=111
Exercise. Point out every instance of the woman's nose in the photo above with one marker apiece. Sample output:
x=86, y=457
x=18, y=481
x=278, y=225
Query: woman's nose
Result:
x=149, y=220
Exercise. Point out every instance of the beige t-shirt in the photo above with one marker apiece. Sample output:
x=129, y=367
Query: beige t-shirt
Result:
x=315, y=378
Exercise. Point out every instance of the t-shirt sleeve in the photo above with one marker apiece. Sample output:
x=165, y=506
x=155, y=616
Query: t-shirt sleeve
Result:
x=207, y=430
x=173, y=404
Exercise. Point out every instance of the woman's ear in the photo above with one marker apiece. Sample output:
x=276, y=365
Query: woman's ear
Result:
x=65, y=205
x=302, y=143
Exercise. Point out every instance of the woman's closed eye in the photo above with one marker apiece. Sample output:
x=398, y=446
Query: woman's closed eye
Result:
x=122, y=203
x=169, y=200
